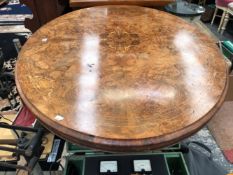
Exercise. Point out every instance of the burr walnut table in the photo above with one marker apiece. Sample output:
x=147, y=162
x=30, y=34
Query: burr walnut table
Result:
x=121, y=78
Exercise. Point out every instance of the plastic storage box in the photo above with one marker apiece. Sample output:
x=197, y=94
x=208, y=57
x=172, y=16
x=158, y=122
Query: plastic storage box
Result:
x=227, y=49
x=171, y=163
x=72, y=148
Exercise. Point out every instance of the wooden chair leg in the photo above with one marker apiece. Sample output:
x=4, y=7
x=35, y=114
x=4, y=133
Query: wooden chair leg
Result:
x=222, y=19
x=215, y=13
x=225, y=21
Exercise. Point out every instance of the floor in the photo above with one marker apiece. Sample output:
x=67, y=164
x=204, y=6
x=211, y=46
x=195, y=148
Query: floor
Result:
x=227, y=35
x=204, y=136
x=14, y=23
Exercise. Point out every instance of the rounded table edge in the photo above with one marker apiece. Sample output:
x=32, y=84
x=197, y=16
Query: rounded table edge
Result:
x=116, y=145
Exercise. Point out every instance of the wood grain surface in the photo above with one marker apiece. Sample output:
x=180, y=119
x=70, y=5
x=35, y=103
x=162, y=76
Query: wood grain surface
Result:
x=121, y=78
x=146, y=3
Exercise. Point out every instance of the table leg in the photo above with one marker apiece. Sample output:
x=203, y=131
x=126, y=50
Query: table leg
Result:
x=222, y=19
x=215, y=13
x=224, y=24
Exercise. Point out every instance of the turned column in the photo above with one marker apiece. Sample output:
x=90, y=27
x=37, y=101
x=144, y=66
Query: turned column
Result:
x=225, y=21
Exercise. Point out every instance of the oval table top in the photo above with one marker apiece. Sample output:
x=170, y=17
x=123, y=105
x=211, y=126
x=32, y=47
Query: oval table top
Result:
x=121, y=78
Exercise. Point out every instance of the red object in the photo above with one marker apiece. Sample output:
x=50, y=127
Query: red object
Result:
x=229, y=155
x=25, y=118
x=223, y=3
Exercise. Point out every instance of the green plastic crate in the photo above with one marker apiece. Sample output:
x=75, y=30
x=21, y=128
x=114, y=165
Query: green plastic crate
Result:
x=72, y=148
x=175, y=147
x=227, y=48
x=76, y=162
x=175, y=162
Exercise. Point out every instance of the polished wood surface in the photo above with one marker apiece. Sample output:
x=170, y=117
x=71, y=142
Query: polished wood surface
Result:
x=121, y=78
x=146, y=3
